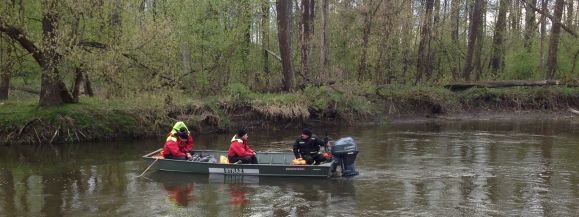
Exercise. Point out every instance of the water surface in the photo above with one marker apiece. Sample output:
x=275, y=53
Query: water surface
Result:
x=496, y=168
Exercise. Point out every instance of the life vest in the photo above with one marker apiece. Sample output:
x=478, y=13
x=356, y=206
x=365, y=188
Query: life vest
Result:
x=171, y=137
x=234, y=138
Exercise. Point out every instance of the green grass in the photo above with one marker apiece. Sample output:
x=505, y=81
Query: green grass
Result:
x=147, y=114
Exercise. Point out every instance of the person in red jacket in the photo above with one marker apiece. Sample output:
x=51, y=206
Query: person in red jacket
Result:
x=181, y=127
x=239, y=149
x=178, y=146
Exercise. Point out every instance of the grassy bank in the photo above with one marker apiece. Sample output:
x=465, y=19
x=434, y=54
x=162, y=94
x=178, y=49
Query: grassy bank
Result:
x=97, y=119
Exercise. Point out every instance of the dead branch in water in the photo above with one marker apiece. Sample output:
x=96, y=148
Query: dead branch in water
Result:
x=54, y=136
x=573, y=111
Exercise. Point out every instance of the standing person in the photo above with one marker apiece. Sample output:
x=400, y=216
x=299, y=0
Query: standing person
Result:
x=239, y=149
x=307, y=147
x=178, y=146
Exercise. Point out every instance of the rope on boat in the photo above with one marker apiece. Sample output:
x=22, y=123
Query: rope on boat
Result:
x=148, y=168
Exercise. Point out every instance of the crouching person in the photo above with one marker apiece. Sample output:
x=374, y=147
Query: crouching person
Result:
x=239, y=150
x=178, y=146
x=308, y=146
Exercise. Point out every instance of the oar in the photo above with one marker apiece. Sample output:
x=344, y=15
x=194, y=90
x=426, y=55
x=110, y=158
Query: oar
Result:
x=148, y=168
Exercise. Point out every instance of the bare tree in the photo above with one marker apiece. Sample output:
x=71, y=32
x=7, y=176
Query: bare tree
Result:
x=283, y=22
x=323, y=37
x=368, y=12
x=265, y=34
x=305, y=35
x=569, y=21
x=498, y=51
x=543, y=30
x=424, y=61
x=52, y=89
x=529, y=23
x=554, y=41
x=474, y=25
x=454, y=24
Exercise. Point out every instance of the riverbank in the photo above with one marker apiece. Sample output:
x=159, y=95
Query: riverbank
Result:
x=99, y=119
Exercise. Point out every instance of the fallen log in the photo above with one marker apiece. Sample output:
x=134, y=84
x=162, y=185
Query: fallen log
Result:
x=573, y=111
x=26, y=89
x=499, y=84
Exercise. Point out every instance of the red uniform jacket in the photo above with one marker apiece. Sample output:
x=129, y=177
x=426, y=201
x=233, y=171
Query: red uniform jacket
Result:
x=178, y=148
x=239, y=148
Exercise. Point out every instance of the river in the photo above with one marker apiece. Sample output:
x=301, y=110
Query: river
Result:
x=461, y=168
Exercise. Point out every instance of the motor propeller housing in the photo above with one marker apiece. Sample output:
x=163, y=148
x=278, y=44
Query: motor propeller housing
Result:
x=344, y=152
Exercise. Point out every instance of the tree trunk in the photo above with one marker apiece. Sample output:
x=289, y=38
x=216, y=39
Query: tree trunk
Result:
x=323, y=38
x=478, y=66
x=265, y=35
x=52, y=90
x=115, y=14
x=435, y=37
x=4, y=84
x=367, y=28
x=514, y=16
x=473, y=29
x=406, y=27
x=305, y=36
x=424, y=62
x=529, y=24
x=78, y=80
x=87, y=86
x=498, y=51
x=246, y=44
x=5, y=71
x=544, y=4
x=365, y=39
x=116, y=29
x=283, y=21
x=454, y=23
x=569, y=21
x=554, y=41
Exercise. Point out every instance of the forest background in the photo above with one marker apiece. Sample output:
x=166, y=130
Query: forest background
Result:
x=112, y=66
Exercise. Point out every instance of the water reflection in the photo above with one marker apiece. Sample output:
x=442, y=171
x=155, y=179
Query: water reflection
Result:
x=179, y=194
x=440, y=169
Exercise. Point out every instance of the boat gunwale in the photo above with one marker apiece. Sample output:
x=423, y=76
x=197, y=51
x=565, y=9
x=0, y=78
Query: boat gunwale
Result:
x=149, y=156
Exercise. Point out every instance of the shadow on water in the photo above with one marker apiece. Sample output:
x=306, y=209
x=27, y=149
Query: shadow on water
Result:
x=475, y=168
x=240, y=195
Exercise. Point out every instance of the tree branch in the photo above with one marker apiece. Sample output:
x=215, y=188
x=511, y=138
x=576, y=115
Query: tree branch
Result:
x=566, y=28
x=99, y=45
x=93, y=44
x=18, y=35
x=273, y=54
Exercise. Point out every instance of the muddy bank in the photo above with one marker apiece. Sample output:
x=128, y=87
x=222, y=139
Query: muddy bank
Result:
x=559, y=115
x=66, y=129
x=319, y=107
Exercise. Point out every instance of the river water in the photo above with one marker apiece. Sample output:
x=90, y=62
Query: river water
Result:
x=469, y=168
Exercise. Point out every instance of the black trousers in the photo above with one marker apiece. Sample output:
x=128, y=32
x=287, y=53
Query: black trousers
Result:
x=244, y=160
x=315, y=159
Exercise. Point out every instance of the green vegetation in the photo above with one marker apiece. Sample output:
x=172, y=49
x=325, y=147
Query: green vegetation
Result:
x=88, y=70
x=116, y=118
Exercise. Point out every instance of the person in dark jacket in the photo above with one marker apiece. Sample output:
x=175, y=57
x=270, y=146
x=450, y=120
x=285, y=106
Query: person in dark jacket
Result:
x=178, y=146
x=307, y=147
x=240, y=150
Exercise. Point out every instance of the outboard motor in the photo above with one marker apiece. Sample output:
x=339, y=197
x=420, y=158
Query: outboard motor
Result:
x=345, y=151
